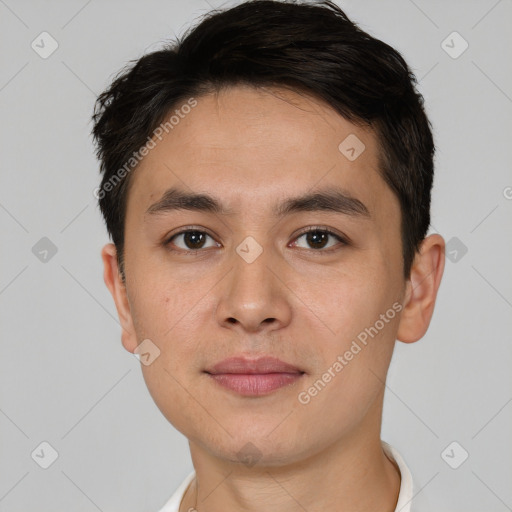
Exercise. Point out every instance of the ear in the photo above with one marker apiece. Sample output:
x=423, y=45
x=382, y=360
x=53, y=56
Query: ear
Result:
x=421, y=289
x=112, y=278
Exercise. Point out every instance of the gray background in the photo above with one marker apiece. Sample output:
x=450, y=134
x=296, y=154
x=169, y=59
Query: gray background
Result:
x=65, y=377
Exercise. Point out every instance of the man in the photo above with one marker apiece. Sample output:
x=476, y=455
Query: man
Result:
x=266, y=183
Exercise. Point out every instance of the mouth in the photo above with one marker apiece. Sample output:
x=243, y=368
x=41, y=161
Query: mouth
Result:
x=254, y=377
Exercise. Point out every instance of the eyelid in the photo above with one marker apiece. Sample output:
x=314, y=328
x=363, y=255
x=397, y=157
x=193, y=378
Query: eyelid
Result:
x=185, y=229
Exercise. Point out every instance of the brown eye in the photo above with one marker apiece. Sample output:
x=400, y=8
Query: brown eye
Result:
x=318, y=239
x=190, y=240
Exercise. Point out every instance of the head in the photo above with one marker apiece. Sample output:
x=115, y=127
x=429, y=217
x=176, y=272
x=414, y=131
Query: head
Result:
x=218, y=153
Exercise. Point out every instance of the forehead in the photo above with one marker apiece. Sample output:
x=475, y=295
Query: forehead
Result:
x=252, y=147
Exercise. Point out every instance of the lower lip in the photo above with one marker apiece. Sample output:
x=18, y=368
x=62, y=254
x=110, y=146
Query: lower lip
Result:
x=255, y=384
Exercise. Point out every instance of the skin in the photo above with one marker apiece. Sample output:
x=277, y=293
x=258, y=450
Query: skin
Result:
x=252, y=148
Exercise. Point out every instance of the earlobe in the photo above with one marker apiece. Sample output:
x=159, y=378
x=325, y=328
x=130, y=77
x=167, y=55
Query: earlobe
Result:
x=112, y=278
x=422, y=287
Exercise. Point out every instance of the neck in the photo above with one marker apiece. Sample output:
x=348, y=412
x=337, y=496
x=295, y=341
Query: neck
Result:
x=353, y=474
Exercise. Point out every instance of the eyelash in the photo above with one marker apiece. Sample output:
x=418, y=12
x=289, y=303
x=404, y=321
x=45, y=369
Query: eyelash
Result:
x=343, y=241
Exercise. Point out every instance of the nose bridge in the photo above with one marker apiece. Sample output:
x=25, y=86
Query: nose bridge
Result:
x=251, y=265
x=253, y=294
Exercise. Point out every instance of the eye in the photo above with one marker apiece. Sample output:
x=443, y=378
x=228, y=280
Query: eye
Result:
x=191, y=240
x=318, y=238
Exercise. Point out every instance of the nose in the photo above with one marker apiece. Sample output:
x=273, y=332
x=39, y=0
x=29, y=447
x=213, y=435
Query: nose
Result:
x=253, y=296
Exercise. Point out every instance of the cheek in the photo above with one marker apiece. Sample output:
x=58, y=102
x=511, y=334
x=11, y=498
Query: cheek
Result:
x=353, y=369
x=162, y=305
x=346, y=302
x=178, y=320
x=360, y=312
x=176, y=324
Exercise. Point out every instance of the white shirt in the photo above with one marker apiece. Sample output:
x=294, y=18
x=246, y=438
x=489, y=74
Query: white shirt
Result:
x=407, y=501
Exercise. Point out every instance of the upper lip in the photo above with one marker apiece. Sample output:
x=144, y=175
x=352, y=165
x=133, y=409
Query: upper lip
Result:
x=244, y=365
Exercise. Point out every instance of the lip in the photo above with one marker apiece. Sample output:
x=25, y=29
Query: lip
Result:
x=254, y=377
x=246, y=366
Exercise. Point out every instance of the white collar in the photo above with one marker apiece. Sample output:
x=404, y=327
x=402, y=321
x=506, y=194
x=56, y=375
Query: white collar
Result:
x=405, y=495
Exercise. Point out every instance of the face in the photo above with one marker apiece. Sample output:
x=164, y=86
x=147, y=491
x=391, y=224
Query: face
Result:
x=247, y=280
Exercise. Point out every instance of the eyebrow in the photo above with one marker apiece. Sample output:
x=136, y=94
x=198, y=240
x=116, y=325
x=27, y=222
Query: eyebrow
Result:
x=327, y=199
